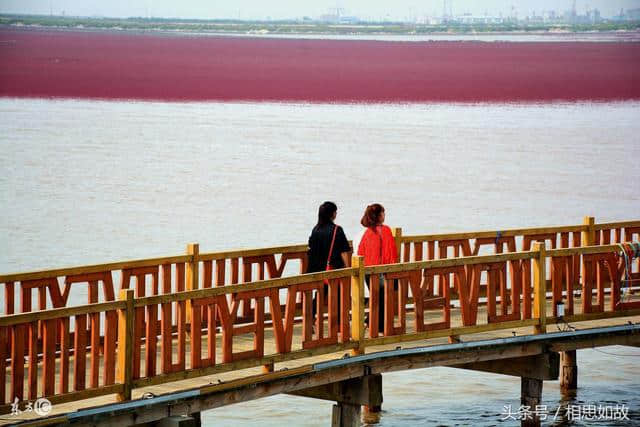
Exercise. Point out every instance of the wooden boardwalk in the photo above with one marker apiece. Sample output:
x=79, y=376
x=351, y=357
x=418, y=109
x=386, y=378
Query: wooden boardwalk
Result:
x=245, y=343
x=257, y=320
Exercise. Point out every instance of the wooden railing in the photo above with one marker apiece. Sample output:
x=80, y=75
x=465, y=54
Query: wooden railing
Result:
x=149, y=336
x=97, y=283
x=441, y=246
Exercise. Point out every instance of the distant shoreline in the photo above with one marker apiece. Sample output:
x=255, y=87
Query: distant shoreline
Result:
x=294, y=28
x=620, y=36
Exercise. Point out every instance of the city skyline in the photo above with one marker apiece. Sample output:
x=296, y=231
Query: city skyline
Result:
x=288, y=9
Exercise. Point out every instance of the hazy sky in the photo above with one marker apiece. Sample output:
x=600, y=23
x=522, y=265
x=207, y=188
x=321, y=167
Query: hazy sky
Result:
x=261, y=9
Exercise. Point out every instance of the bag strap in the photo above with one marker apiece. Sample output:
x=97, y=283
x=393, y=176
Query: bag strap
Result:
x=333, y=239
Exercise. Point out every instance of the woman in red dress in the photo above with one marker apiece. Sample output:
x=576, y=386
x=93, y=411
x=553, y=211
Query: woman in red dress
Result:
x=377, y=246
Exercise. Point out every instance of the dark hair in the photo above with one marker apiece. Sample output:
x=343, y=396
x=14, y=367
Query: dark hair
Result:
x=371, y=216
x=325, y=213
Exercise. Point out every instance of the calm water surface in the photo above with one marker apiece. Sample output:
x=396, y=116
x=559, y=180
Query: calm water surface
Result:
x=630, y=36
x=557, y=36
x=89, y=182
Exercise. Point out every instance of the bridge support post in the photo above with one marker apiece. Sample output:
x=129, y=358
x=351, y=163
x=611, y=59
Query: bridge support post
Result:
x=532, y=370
x=197, y=416
x=373, y=410
x=568, y=371
x=372, y=413
x=531, y=396
x=179, y=421
x=350, y=396
x=345, y=415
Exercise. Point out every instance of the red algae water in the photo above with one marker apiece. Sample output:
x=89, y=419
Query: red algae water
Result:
x=113, y=65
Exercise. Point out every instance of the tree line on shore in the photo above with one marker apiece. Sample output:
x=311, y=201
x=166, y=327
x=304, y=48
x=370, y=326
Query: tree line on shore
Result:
x=299, y=27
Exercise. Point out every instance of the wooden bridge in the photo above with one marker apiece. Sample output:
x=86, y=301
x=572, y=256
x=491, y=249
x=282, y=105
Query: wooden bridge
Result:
x=258, y=334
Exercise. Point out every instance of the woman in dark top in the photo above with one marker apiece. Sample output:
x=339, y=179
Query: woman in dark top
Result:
x=323, y=234
x=320, y=241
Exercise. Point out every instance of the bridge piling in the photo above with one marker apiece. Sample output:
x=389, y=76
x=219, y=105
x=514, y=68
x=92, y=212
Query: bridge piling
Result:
x=371, y=414
x=345, y=415
x=568, y=371
x=350, y=397
x=373, y=410
x=532, y=370
x=531, y=396
x=179, y=421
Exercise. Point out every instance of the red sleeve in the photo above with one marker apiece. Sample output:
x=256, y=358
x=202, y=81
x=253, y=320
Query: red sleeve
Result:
x=362, y=246
x=390, y=246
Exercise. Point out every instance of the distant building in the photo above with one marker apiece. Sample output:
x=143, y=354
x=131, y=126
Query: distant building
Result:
x=329, y=17
x=535, y=19
x=633, y=14
x=349, y=20
x=337, y=16
x=470, y=19
x=433, y=20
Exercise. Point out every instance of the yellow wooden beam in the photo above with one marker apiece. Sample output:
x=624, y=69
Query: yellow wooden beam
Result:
x=588, y=234
x=57, y=313
x=357, y=304
x=124, y=373
x=539, y=287
x=448, y=262
x=493, y=233
x=462, y=330
x=97, y=268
